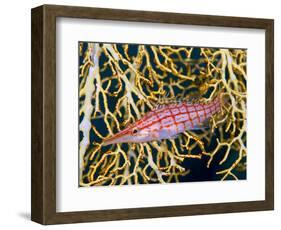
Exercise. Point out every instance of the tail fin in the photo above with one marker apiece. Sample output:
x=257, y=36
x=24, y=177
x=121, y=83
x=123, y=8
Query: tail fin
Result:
x=224, y=100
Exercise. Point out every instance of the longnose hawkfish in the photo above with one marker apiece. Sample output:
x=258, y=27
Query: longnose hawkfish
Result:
x=167, y=121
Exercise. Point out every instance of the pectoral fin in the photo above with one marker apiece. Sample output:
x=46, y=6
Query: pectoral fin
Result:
x=202, y=125
x=174, y=137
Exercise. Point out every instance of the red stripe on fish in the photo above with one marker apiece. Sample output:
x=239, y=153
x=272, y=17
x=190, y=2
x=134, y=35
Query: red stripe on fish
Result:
x=195, y=113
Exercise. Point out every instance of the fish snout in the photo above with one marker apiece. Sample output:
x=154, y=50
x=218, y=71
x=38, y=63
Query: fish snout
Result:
x=108, y=141
x=121, y=137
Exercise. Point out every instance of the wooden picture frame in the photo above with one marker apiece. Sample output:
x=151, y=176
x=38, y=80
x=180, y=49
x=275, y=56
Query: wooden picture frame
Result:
x=43, y=205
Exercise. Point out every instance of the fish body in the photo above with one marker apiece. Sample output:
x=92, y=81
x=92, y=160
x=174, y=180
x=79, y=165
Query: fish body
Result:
x=167, y=121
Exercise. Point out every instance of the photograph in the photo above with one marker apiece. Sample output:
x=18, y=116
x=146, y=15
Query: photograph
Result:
x=157, y=114
x=150, y=114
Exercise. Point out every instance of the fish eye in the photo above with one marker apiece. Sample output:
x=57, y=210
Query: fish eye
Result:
x=135, y=131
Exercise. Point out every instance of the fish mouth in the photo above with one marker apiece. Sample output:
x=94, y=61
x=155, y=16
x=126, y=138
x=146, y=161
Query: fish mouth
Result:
x=109, y=141
x=121, y=137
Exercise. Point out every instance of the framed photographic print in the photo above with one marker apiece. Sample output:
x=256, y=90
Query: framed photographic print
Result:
x=139, y=114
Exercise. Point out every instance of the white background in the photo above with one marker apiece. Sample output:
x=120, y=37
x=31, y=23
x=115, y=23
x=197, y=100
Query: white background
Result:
x=72, y=198
x=15, y=114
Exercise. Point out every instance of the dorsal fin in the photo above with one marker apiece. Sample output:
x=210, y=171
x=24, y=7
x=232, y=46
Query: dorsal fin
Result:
x=194, y=97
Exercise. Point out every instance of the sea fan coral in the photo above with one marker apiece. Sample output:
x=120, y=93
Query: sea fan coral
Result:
x=119, y=83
